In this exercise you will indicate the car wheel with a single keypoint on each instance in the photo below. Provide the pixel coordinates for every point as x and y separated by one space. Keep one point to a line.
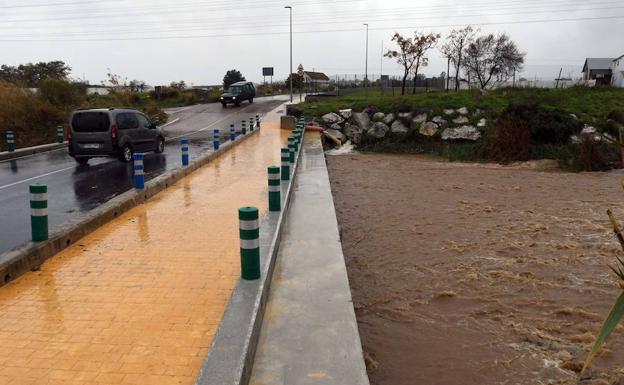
126 154
82 161
224 105
237 104
160 145
250 100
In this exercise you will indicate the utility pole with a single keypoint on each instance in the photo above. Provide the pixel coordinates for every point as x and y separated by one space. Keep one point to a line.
366 67
290 76
448 69
381 68
558 77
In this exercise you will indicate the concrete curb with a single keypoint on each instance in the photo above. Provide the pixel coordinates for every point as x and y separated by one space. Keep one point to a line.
19 152
231 354
32 254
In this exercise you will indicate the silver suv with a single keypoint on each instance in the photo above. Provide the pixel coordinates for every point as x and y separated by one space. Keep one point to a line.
112 132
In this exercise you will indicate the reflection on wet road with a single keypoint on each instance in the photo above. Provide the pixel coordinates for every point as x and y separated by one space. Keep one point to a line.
74 189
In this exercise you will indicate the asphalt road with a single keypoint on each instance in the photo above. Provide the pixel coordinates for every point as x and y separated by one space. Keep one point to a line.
74 189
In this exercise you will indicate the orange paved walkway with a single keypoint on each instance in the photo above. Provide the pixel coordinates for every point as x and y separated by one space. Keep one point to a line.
138 301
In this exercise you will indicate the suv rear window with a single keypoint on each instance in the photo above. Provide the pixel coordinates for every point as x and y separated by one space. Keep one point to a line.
127 120
90 122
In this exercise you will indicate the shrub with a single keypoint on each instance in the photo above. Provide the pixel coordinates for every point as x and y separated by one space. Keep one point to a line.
617 116
546 126
510 140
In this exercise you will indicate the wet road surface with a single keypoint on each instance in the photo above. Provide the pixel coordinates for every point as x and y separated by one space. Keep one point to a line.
138 300
74 189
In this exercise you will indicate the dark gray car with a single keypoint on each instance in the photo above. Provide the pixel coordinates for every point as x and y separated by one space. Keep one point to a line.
116 132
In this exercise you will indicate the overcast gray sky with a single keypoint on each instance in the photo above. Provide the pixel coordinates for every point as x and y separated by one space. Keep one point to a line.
198 40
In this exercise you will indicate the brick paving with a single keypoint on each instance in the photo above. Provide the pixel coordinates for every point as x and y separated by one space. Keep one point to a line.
138 300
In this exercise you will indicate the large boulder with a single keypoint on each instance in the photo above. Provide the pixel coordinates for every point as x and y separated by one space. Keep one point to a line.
346 114
332 118
462 111
353 133
463 132
378 117
362 120
449 111
420 118
407 116
379 130
440 121
482 122
398 127
337 134
460 120
336 126
389 119
428 129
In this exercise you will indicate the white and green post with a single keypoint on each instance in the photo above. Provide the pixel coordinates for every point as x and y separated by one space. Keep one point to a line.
39 212
249 230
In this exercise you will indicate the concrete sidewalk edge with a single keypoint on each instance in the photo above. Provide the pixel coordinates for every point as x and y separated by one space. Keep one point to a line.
231 354
31 255
19 152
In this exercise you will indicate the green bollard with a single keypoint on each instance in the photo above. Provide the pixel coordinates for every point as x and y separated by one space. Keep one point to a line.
274 189
243 127
291 149
251 124
285 164
10 138
60 137
249 230
39 212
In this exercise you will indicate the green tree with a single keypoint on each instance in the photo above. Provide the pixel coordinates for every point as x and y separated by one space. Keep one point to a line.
405 56
297 82
231 77
32 75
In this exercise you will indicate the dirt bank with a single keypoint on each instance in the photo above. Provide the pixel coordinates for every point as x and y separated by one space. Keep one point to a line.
478 274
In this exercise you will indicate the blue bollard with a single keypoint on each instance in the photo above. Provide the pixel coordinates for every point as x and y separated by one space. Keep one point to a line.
215 139
232 132
185 152
139 180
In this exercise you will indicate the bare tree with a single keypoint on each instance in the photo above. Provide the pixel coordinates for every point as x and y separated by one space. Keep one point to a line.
422 43
492 59
405 56
453 49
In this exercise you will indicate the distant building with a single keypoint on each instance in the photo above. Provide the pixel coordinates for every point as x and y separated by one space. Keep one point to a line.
315 81
617 72
598 69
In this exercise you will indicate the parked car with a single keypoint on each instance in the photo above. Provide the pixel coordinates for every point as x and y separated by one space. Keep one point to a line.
112 132
237 93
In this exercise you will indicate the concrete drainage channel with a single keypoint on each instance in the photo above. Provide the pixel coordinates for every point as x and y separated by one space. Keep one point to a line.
231 354
31 255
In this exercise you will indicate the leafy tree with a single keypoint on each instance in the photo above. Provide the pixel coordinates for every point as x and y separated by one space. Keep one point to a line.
405 56
181 85
137 85
231 77
492 59
453 49
422 43
32 75
297 82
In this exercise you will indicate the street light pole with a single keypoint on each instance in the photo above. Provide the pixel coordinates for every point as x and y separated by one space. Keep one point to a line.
366 68
290 76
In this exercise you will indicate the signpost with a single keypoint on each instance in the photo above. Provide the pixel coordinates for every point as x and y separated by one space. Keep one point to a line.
267 71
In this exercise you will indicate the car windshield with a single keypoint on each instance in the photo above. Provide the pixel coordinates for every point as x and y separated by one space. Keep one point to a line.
235 90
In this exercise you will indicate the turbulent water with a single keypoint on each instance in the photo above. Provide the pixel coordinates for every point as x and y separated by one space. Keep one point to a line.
478 274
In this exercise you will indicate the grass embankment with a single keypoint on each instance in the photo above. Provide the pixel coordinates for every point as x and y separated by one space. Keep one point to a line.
552 107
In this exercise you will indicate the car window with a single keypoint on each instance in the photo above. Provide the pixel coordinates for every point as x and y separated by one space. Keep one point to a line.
127 120
143 121
90 122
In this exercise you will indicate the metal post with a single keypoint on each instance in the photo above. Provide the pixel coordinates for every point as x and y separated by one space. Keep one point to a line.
10 138
215 139
285 164
139 171
60 137
185 151
366 67
39 212
274 188
249 231
232 132
291 61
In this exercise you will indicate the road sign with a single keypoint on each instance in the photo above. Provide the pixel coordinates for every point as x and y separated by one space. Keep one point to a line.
267 71
300 70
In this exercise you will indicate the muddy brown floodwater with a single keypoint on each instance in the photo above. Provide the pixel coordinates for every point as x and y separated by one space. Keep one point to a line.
467 274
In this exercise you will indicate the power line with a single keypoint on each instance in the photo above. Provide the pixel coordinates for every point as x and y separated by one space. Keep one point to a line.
316 31
55 4
264 25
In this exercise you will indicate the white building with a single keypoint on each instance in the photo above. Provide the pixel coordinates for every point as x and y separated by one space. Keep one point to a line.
617 72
